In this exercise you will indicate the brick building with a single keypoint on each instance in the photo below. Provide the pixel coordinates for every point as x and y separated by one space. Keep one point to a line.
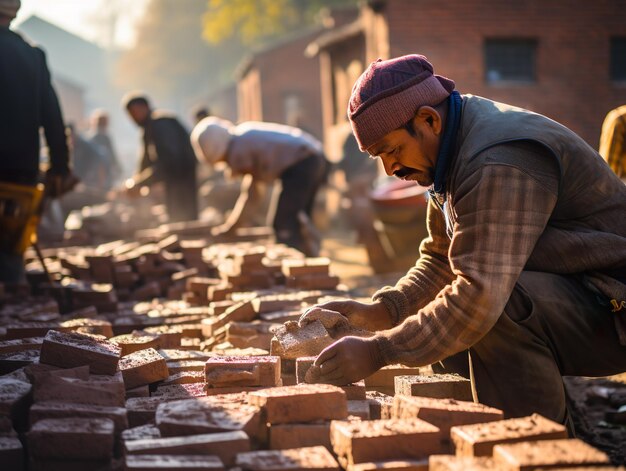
562 58
280 84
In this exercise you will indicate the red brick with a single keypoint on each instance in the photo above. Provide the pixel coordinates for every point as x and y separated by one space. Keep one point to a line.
94 391
397 465
143 367
295 459
292 341
134 342
18 345
547 454
212 414
302 403
227 371
175 367
380 405
308 266
384 379
69 350
180 391
479 439
455 463
285 436
224 445
178 355
90 326
11 453
379 440
72 438
58 410
170 462
437 386
443 413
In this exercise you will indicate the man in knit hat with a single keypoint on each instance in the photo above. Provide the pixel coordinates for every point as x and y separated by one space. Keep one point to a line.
28 103
525 263
265 152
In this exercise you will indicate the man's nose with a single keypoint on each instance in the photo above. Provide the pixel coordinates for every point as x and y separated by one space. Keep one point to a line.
389 165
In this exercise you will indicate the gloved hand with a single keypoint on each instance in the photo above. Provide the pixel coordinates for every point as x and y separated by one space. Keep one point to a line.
367 316
58 184
348 360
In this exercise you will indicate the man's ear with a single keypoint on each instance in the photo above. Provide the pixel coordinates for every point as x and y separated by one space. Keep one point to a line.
429 117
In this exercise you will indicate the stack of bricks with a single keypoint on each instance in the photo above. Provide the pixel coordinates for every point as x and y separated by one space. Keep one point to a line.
214 379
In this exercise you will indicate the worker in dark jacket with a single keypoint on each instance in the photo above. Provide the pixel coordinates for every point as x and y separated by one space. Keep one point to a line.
167 158
28 102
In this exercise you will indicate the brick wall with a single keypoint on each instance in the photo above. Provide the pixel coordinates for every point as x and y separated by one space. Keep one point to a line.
572 84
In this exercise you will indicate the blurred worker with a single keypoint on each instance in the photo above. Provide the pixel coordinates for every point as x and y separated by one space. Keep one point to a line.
167 158
99 137
88 161
265 152
525 263
28 102
613 140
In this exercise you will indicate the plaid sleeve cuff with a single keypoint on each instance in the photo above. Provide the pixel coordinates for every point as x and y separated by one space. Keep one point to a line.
387 350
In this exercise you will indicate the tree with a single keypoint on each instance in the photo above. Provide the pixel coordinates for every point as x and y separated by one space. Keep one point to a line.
251 21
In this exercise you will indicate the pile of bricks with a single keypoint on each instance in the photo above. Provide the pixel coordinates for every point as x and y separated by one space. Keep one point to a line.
223 376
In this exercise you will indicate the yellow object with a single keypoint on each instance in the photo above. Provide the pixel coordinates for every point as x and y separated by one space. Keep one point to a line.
613 140
19 215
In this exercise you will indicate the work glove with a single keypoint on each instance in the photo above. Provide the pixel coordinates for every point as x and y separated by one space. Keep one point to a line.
348 360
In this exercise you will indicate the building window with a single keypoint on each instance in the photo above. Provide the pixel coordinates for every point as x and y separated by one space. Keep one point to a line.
510 60
618 59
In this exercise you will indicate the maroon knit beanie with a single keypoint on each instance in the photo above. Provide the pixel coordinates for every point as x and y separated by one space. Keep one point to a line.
389 93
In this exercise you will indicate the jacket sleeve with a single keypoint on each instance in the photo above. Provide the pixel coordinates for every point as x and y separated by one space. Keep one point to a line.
52 122
501 213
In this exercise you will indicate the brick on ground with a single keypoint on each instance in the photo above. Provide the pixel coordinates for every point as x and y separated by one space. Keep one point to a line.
526 456
141 432
18 345
39 371
15 360
384 379
178 355
13 396
224 445
180 391
228 371
172 462
90 326
59 410
72 438
179 366
443 413
129 343
71 349
437 385
394 465
184 377
140 391
257 334
96 390
479 439
379 440
295 459
224 413
143 367
380 405
11 453
455 463
285 436
302 403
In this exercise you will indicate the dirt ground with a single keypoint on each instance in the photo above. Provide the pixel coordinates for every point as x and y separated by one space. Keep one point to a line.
592 400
